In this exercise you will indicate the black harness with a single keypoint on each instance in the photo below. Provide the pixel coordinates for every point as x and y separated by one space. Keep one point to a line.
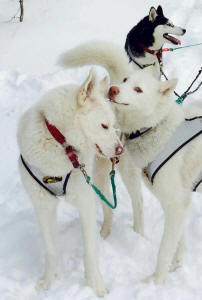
137 134
56 185
131 56
188 130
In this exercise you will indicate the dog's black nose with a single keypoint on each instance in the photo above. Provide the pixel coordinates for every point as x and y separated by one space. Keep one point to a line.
184 31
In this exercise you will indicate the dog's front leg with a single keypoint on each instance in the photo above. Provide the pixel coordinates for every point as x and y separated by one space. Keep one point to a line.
178 257
131 177
46 209
175 214
85 202
46 212
102 168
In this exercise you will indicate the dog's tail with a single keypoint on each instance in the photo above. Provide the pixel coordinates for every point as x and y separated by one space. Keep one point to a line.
105 54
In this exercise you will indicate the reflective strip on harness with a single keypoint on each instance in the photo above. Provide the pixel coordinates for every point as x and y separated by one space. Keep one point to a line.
184 133
54 185
197 182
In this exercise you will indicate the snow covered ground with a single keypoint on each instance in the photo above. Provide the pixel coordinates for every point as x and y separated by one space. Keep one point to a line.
28 55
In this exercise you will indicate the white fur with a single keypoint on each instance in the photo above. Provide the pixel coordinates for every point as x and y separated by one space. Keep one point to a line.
173 183
116 63
156 108
113 58
101 53
78 112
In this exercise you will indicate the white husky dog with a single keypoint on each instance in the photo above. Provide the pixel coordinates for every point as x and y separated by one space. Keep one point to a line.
148 116
86 120
115 61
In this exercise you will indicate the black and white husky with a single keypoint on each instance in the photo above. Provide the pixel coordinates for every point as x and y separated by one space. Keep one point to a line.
145 40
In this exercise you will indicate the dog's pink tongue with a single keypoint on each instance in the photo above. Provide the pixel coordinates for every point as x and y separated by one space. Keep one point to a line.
173 39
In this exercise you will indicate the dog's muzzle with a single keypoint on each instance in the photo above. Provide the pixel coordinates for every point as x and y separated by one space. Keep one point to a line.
113 92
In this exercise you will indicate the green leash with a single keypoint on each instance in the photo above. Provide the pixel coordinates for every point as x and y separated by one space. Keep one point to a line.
97 191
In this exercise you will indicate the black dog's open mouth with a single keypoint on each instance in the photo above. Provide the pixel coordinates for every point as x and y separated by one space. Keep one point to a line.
172 39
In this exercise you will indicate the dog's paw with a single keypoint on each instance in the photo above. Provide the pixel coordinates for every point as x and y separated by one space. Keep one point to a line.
139 230
97 284
105 232
158 280
176 265
149 278
45 282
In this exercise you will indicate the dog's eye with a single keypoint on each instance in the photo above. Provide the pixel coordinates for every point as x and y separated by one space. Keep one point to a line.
170 24
125 79
104 126
138 89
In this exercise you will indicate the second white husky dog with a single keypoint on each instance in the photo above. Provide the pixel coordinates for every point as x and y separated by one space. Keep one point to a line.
86 122
157 118
148 116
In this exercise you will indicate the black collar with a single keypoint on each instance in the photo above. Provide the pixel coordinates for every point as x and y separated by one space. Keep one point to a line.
142 66
138 64
138 133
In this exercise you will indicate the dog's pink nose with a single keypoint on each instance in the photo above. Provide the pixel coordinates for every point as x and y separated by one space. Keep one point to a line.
113 92
118 150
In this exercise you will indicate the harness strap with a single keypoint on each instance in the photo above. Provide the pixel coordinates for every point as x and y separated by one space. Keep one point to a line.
55 188
37 180
59 137
137 134
184 133
132 58
158 52
197 185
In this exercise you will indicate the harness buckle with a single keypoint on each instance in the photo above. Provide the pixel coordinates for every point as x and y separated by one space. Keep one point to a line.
82 166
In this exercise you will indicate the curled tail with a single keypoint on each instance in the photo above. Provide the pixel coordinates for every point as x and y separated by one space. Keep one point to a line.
105 54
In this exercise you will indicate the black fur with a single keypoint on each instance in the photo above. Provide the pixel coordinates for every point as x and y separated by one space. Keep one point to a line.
142 33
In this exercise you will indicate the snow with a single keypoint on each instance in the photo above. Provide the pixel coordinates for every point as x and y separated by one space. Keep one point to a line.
28 56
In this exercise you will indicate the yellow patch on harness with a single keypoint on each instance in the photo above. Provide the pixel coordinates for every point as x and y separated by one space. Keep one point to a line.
52 179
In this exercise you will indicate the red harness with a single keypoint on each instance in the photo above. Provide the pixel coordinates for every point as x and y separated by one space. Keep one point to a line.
59 137
158 53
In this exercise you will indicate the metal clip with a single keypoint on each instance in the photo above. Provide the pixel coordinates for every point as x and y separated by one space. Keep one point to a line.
115 160
82 166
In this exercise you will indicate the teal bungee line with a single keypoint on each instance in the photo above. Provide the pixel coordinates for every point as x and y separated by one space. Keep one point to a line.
176 48
99 193
181 98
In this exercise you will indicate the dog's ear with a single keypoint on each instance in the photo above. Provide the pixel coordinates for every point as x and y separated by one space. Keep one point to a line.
152 14
87 88
168 86
104 85
160 10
